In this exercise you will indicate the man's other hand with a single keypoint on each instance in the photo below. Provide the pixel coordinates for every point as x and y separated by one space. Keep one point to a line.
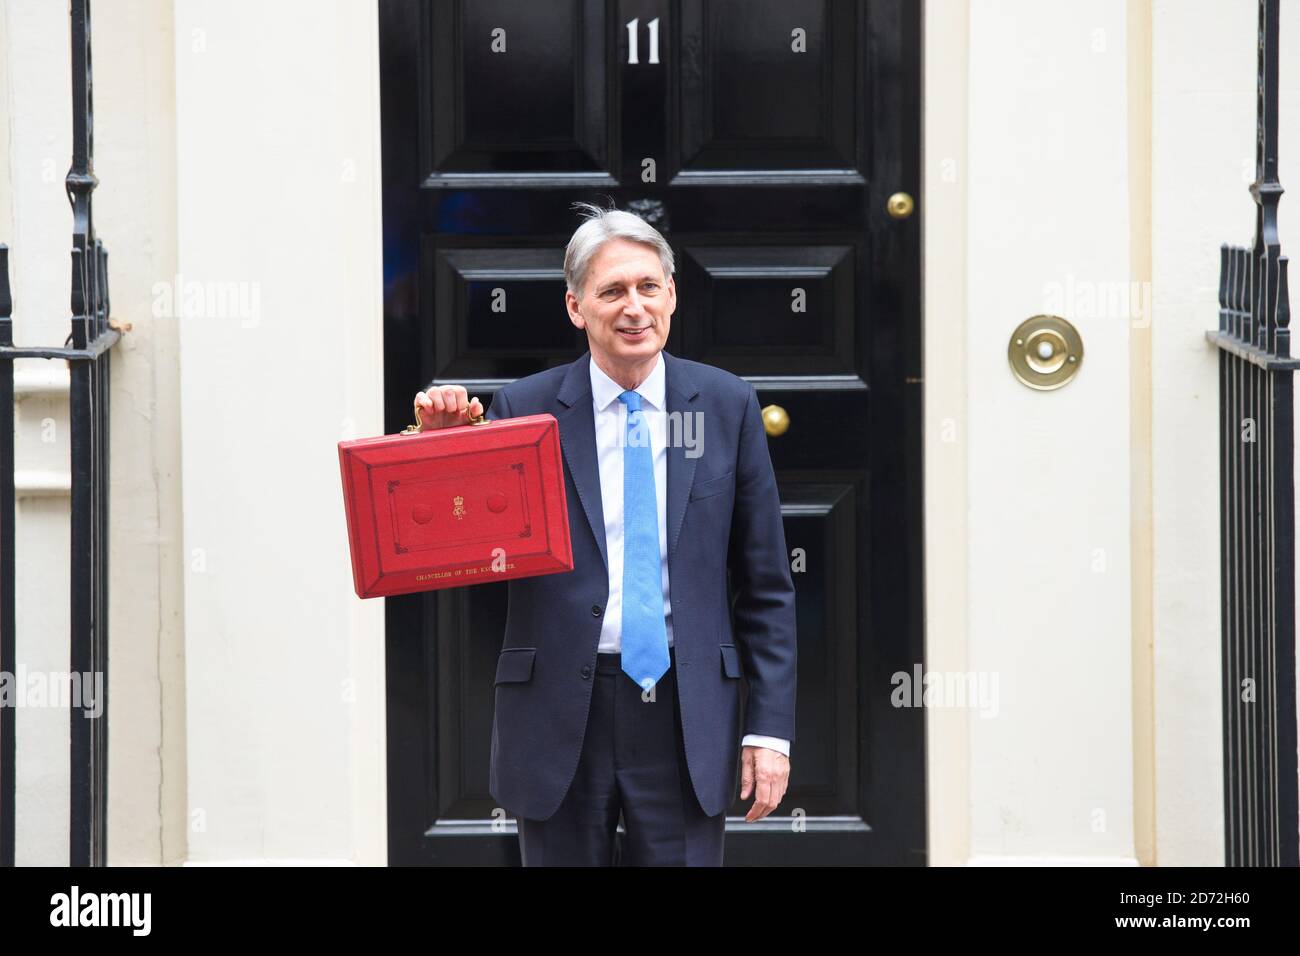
766 773
443 406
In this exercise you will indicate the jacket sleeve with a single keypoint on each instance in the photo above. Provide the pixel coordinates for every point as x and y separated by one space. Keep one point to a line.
500 407
763 608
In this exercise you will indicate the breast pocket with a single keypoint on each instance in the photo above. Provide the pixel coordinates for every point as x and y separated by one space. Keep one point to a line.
713 486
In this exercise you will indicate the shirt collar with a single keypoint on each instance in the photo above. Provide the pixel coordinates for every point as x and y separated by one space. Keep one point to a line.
605 390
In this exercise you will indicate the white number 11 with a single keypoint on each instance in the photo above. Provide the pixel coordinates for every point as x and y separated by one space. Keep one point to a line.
653 27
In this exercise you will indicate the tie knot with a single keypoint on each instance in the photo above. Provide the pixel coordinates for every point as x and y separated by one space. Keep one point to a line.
632 400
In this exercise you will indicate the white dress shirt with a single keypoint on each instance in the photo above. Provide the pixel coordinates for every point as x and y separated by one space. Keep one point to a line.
611 426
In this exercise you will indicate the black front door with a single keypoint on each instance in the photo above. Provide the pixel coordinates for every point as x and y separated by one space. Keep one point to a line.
764 140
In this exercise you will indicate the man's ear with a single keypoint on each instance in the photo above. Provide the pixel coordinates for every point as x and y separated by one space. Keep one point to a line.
571 305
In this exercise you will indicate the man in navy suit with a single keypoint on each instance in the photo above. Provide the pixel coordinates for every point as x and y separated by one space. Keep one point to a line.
618 684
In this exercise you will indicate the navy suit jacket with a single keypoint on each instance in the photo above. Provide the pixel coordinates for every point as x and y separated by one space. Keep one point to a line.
723 514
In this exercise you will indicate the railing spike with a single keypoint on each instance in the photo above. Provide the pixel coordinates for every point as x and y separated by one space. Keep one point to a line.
6 296
1283 332
1225 258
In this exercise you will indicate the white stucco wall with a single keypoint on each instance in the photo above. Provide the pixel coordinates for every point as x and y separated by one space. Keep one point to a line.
1048 207
1054 162
943 220
135 215
37 225
1204 68
135 146
265 742
278 191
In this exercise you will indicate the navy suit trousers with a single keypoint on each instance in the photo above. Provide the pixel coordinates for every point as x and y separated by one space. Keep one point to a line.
633 765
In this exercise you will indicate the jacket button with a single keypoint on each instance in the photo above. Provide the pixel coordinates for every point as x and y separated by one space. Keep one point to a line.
586 671
595 610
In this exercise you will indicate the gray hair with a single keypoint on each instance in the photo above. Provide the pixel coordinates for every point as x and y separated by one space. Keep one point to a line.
602 225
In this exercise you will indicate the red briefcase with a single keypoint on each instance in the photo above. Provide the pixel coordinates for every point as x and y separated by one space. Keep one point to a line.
443 508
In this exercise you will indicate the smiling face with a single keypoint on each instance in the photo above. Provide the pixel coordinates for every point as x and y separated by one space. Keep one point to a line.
626 307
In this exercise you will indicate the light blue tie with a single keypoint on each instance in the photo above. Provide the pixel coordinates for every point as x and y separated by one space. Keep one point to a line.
645 640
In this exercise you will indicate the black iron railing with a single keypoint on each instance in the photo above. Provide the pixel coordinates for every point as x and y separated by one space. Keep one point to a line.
86 351
1257 513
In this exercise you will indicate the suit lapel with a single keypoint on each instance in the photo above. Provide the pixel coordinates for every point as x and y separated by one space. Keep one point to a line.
679 392
577 423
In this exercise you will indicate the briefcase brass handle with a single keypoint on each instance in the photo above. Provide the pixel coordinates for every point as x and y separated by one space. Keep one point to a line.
419 425
775 420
